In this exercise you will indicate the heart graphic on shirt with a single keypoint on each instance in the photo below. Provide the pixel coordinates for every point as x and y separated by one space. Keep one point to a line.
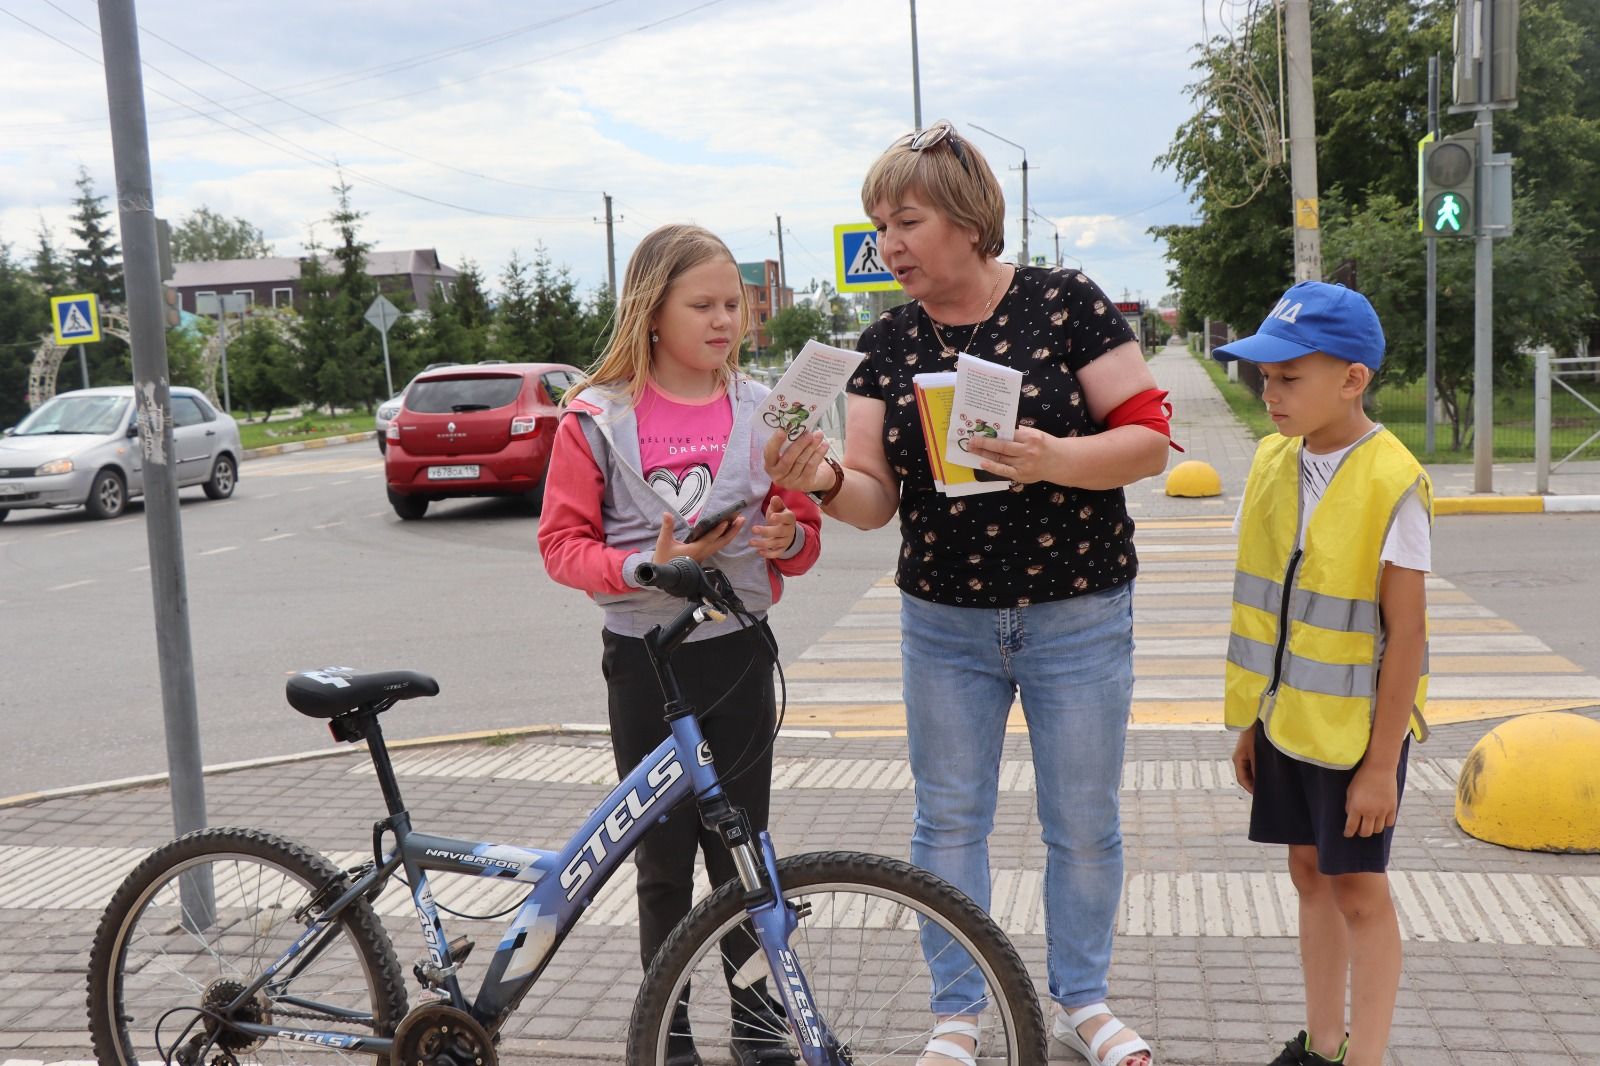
685 494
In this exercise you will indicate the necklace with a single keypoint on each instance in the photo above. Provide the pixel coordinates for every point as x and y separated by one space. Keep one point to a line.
988 309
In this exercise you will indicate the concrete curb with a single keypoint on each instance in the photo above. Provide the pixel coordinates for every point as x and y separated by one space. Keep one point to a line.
1577 504
307 445
567 729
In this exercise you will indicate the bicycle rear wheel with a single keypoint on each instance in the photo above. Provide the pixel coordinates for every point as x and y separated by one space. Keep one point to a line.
159 958
863 923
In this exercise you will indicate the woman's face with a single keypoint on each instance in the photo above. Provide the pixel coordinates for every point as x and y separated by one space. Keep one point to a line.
926 252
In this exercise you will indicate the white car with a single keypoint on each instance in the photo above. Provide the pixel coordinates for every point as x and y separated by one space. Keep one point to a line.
81 449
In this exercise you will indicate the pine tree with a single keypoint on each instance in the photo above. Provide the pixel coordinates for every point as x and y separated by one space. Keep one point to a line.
96 259
558 315
49 270
516 328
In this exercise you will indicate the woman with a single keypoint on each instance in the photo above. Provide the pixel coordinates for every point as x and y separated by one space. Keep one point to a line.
1025 591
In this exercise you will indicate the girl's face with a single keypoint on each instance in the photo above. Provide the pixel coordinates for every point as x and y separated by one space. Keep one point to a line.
697 322
925 250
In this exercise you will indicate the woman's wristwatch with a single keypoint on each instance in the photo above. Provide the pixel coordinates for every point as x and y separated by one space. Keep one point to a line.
825 498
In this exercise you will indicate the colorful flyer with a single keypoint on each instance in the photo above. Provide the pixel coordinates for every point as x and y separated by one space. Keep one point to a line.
813 381
986 400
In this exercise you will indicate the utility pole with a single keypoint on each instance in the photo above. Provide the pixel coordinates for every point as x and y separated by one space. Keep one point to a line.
1432 303
1023 259
1302 142
130 145
783 273
916 75
611 251
1483 299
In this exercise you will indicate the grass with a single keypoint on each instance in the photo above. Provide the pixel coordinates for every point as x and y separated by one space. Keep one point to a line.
499 740
304 427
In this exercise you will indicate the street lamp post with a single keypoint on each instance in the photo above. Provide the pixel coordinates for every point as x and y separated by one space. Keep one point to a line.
1053 229
1024 152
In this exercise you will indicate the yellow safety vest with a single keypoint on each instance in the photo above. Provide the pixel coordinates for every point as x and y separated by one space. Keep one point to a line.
1307 635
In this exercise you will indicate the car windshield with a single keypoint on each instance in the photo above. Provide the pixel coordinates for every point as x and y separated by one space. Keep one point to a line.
75 414
439 396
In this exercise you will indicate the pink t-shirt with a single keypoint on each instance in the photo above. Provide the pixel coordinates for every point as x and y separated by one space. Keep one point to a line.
681 442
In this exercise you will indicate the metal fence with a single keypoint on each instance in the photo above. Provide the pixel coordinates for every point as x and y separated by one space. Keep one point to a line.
1566 407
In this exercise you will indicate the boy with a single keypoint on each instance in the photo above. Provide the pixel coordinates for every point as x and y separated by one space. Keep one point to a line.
1325 671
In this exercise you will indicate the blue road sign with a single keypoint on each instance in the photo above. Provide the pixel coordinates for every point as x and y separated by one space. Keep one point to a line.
859 266
76 318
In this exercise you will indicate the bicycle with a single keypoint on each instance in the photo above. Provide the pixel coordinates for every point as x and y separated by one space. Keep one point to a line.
229 946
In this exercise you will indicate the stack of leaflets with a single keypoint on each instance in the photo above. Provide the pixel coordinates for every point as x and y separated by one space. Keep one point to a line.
979 399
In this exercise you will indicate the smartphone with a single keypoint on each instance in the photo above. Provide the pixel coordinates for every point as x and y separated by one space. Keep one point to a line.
708 522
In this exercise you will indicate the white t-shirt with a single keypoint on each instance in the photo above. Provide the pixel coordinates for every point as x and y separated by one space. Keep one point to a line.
1410 540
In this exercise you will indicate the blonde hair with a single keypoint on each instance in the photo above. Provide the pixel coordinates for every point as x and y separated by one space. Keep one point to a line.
967 194
659 261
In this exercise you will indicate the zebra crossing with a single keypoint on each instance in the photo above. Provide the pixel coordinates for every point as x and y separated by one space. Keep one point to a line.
1482 666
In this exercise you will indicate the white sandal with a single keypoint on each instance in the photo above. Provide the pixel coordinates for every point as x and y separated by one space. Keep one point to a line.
949 1049
1095 1051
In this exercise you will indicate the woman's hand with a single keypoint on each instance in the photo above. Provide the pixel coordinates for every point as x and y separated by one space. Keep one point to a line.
774 538
1033 455
669 548
796 465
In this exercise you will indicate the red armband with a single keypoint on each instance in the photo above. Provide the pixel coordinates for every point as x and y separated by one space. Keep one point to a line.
1149 409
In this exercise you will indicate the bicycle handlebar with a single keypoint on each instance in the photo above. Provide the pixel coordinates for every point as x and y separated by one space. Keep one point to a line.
682 577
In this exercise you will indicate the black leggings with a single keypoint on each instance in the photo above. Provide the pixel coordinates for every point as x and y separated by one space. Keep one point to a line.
737 730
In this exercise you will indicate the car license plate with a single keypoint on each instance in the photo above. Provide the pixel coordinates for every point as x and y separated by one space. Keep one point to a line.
10 488
451 473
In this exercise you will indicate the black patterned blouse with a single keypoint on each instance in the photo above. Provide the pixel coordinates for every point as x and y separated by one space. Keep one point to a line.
1032 543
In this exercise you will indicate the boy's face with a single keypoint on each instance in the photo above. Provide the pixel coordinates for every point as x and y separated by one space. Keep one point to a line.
1312 392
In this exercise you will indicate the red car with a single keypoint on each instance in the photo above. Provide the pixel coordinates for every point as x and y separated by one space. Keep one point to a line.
480 429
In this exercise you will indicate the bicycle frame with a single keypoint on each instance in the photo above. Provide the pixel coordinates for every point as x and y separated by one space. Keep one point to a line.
563 883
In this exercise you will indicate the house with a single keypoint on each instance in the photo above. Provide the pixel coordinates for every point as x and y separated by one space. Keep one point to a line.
413 278
765 296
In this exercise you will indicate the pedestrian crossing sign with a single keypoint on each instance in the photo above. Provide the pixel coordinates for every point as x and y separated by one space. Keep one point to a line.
859 266
76 319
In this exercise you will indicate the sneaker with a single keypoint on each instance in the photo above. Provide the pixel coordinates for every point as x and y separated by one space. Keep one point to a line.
680 1042
761 1036
1295 1053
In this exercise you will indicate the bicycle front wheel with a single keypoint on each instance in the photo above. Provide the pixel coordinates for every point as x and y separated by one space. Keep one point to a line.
198 921
883 944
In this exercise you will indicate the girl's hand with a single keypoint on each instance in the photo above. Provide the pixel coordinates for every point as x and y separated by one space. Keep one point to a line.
795 465
1371 801
1244 759
774 538
669 548
1033 456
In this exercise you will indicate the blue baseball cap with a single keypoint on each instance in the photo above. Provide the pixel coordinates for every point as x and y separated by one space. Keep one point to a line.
1313 316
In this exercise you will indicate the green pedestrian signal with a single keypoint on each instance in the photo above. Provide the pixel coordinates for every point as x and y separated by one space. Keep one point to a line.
1447 185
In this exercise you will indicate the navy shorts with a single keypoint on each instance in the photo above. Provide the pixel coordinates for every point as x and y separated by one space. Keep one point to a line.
1300 803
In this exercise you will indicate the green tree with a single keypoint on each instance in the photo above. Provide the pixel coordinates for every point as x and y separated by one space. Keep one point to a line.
24 315
341 360
557 310
49 270
96 258
262 366
206 235
516 336
599 320
789 329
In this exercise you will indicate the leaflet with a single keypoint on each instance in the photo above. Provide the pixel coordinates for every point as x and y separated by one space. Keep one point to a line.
935 397
813 381
986 400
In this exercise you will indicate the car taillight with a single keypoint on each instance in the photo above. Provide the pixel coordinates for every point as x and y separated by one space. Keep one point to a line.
393 432
523 425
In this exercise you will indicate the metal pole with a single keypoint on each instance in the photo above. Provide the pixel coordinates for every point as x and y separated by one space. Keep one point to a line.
1302 142
1541 420
222 333
83 363
1025 259
1058 249
611 253
916 74
783 273
1432 299
1483 299
119 33
388 374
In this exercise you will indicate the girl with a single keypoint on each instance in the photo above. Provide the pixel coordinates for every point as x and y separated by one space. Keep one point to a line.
665 418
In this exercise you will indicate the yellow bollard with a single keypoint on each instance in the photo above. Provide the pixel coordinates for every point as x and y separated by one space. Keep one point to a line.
1533 783
1194 478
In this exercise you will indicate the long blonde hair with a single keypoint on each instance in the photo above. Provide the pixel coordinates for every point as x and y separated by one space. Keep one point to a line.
661 258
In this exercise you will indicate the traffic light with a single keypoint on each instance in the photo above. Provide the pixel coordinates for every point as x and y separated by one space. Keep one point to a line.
1448 199
174 306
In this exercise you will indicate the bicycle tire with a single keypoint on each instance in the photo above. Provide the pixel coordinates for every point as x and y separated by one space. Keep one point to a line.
146 915
896 895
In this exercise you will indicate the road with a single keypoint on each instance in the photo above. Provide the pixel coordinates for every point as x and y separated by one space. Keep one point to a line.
307 566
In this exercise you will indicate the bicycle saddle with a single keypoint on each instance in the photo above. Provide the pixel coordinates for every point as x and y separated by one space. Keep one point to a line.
336 690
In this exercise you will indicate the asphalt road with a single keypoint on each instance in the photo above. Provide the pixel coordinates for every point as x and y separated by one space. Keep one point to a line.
307 566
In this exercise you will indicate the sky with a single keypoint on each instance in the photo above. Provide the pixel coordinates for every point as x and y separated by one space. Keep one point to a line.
481 129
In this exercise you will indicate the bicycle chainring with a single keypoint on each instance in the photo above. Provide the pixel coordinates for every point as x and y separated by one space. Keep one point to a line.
437 1034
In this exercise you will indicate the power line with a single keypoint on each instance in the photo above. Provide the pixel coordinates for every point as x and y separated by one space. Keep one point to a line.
293 149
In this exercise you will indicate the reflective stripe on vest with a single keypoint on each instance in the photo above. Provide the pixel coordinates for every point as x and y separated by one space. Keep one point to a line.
1313 608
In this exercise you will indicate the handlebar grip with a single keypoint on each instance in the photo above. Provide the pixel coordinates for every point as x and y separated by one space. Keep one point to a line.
681 577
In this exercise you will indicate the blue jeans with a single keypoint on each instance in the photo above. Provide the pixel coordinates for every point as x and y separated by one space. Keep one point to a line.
1072 662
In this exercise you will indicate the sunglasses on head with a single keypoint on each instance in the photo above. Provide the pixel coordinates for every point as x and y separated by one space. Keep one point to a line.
939 133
